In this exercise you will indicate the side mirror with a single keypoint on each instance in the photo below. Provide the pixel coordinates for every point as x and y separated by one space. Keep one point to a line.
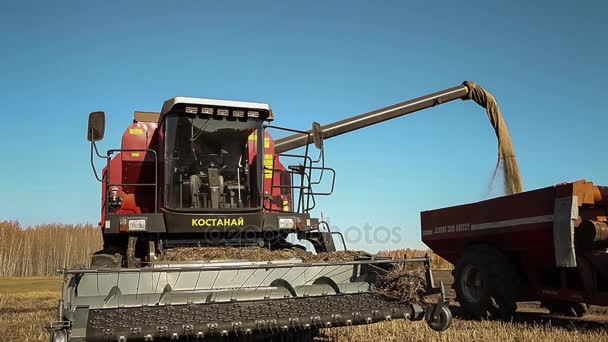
317 135
97 126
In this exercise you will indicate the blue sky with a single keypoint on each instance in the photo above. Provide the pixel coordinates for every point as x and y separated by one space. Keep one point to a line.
545 62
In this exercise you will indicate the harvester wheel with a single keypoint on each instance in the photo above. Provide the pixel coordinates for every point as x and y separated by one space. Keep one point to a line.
442 321
570 309
106 258
486 283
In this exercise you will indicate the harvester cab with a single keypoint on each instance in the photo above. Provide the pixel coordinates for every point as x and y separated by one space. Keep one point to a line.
203 173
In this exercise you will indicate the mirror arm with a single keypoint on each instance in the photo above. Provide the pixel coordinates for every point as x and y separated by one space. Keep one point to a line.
97 151
94 147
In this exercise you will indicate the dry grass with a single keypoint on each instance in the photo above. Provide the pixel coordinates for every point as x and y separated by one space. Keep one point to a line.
27 305
25 315
402 284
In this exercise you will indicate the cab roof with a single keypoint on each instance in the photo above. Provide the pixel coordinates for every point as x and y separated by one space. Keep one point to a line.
180 102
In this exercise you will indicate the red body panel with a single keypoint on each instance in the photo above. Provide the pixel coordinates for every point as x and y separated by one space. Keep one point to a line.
448 231
135 167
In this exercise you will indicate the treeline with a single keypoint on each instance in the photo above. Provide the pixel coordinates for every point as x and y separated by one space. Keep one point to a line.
42 249
437 262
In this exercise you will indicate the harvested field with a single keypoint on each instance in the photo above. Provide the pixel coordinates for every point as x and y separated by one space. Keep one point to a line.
26 307
26 311
468 331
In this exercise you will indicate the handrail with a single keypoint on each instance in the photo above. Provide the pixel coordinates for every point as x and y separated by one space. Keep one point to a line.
155 184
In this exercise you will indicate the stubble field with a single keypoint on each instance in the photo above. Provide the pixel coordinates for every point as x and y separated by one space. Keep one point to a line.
28 304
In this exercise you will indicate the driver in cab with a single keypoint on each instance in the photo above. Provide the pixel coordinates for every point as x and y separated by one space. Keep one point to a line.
205 160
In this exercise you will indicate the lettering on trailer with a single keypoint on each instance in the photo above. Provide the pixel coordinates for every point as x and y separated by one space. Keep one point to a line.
215 222
464 227
449 229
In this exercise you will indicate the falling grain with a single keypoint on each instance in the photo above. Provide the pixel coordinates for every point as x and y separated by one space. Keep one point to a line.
507 161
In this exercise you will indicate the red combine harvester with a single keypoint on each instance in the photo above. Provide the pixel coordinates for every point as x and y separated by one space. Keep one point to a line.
206 173
548 244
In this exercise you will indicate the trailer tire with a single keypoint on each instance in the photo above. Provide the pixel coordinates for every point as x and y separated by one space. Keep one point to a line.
486 284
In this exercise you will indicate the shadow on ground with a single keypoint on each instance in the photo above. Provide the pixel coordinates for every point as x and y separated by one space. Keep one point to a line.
591 322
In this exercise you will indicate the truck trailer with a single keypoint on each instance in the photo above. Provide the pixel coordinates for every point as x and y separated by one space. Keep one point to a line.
548 245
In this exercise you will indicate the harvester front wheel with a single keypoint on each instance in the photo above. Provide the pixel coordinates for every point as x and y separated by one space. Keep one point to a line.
486 282
106 258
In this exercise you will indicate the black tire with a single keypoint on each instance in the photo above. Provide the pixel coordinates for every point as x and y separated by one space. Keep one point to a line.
486 284
570 309
106 258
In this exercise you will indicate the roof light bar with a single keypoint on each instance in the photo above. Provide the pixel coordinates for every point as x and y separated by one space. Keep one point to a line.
191 110
207 110
225 112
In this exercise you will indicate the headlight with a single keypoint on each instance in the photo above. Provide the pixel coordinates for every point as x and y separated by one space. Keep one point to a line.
191 110
137 224
287 222
223 112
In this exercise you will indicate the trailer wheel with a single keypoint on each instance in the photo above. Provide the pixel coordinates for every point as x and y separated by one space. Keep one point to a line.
570 309
486 283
